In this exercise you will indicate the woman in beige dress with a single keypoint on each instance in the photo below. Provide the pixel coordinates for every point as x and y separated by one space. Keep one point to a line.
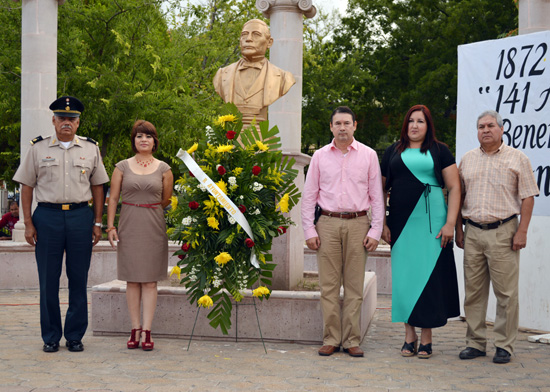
145 184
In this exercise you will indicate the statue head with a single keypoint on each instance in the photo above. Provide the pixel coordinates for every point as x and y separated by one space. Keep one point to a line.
255 40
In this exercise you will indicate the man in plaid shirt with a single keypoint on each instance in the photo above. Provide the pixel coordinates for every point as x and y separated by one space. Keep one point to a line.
498 184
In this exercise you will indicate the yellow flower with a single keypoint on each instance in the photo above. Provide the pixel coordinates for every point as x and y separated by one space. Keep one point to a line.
238 170
213 223
227 118
205 301
262 258
170 231
193 148
225 148
222 185
261 291
283 203
223 258
176 270
173 203
261 146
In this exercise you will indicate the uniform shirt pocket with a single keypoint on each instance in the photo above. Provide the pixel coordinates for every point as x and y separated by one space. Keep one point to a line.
49 168
82 168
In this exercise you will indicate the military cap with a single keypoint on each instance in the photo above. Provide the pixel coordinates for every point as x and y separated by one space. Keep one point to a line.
67 107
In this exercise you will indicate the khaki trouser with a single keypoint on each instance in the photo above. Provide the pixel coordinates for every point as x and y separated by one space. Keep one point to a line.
341 259
489 258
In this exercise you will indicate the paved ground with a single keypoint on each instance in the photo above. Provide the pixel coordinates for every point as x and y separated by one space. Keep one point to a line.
106 364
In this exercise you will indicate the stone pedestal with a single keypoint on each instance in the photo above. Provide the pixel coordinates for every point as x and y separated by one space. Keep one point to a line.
288 249
534 16
286 25
288 316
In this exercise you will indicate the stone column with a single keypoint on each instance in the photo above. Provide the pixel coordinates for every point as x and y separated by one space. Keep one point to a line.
534 16
38 77
286 25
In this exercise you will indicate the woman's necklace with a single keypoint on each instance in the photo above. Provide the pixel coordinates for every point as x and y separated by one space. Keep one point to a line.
146 162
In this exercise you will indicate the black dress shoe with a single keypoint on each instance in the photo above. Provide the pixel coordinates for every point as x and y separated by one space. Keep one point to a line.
74 345
51 347
471 353
501 356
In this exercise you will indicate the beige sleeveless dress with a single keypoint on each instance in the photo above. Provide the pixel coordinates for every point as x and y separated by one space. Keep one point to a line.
142 251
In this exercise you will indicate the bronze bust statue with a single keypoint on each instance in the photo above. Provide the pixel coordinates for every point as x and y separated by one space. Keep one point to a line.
253 83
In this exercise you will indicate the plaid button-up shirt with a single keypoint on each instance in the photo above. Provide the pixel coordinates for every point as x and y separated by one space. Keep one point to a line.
493 185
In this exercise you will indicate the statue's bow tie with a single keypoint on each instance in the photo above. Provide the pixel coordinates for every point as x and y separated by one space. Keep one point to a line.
248 64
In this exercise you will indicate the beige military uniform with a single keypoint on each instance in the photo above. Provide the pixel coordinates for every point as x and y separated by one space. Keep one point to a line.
59 174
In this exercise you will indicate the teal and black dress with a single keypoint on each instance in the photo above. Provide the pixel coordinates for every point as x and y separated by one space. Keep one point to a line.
424 281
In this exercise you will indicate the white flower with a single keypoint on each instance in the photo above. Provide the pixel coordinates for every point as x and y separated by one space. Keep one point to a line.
179 188
210 133
201 187
257 187
232 181
217 283
231 219
255 212
187 221
241 197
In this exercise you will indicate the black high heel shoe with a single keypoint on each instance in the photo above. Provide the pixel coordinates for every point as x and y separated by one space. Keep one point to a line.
410 347
427 348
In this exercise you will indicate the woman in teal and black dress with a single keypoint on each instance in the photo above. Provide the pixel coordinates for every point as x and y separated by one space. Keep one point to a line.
420 230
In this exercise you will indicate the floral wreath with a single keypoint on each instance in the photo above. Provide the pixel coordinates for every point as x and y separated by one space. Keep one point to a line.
215 256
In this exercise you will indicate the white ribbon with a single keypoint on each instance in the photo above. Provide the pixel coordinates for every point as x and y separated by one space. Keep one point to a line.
221 197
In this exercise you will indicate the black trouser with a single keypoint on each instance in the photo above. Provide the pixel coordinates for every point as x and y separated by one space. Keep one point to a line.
60 232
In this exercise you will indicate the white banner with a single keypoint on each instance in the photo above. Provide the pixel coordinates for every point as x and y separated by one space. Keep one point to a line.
221 197
511 76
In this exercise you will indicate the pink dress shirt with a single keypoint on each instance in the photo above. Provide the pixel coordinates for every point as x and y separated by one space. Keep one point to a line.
344 183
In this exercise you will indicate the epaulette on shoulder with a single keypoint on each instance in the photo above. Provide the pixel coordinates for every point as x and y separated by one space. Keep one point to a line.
36 140
89 139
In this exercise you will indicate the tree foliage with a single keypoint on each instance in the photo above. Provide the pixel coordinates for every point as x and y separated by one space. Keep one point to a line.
387 55
128 60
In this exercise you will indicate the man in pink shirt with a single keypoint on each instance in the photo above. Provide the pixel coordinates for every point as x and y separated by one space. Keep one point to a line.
344 180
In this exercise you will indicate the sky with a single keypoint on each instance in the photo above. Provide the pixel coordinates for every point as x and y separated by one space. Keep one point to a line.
329 5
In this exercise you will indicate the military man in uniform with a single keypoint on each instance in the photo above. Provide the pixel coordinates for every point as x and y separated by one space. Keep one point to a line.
253 83
65 171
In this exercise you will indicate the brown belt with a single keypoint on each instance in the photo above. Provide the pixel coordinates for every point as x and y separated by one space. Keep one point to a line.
344 215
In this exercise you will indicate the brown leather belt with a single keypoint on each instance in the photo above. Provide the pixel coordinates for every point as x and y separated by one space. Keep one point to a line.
489 226
344 215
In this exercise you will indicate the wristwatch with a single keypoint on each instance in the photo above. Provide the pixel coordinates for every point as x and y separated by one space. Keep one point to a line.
98 224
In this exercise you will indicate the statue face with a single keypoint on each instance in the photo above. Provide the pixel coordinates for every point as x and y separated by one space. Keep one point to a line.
254 41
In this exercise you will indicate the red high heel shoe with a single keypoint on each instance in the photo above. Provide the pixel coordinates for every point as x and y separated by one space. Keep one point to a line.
147 345
133 343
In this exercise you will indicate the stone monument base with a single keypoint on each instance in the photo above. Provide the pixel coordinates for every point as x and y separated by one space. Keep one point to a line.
288 316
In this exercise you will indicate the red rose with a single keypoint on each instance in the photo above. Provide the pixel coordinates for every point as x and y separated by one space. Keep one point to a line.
181 257
221 170
185 247
230 134
242 208
191 174
249 242
281 229
256 170
193 205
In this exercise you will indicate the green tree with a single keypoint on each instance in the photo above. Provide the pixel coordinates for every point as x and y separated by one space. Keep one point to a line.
129 60
401 53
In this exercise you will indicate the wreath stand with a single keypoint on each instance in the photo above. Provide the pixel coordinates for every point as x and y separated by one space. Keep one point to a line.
236 323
